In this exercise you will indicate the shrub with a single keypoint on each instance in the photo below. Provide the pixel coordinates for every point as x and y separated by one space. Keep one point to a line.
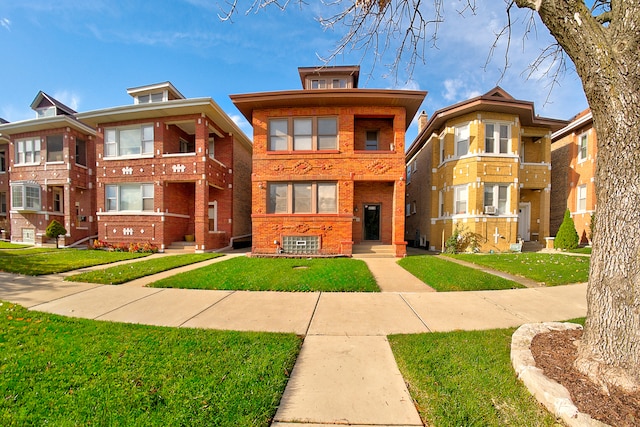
462 241
125 247
54 230
567 237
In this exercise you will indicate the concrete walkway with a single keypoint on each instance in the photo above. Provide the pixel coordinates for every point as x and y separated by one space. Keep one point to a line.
345 373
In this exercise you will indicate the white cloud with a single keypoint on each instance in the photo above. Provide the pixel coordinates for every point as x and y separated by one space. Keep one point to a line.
451 88
5 23
68 98
243 124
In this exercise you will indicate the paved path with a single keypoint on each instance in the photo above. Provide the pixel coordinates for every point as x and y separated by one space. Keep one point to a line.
345 373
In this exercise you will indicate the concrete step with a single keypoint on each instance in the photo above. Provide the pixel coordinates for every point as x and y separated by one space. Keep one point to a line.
180 247
374 251
532 246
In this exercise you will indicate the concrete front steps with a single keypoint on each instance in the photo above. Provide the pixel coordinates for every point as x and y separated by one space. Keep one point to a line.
180 248
532 246
373 250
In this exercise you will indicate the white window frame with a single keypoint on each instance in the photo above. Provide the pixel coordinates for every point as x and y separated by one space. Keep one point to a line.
441 203
26 202
495 192
27 151
281 140
583 145
461 195
212 147
581 198
213 215
3 202
3 161
49 151
144 190
285 204
458 132
497 138
442 147
57 192
112 147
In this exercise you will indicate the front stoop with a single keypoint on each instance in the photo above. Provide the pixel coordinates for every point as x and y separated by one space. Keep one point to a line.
180 248
374 250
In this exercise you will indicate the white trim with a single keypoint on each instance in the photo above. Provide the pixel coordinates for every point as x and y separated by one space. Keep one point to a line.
142 213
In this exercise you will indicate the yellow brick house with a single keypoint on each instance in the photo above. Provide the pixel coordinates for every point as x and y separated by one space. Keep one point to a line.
482 166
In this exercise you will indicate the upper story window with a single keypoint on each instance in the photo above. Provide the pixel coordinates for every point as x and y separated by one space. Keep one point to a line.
441 203
212 147
150 97
302 197
129 197
27 151
582 198
128 141
496 199
303 134
81 152
25 196
58 205
460 199
441 149
45 112
496 138
371 140
3 202
582 148
3 161
329 83
54 148
461 139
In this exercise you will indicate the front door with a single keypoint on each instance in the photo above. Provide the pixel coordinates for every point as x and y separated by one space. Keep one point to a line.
371 222
524 221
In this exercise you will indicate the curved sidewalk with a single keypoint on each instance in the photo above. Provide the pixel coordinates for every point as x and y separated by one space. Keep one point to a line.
345 373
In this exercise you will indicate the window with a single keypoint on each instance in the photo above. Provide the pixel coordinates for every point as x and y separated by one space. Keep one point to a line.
128 141
81 152
3 202
371 140
129 197
212 147
304 134
46 112
318 84
461 140
407 209
442 149
339 83
496 197
301 244
184 146
582 198
54 148
441 203
409 173
460 200
213 216
152 97
3 162
25 196
302 197
582 148
27 151
58 205
496 138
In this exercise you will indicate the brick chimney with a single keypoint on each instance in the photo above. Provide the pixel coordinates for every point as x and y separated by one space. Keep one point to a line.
422 121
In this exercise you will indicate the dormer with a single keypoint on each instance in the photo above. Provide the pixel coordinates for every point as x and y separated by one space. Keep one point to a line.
160 92
318 78
47 106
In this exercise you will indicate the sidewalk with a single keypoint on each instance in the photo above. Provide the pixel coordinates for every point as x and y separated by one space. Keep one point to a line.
345 373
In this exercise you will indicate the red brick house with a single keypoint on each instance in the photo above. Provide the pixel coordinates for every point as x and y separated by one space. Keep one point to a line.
4 185
328 164
573 156
171 169
50 160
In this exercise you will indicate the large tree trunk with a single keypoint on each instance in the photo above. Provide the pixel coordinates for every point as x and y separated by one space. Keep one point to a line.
607 60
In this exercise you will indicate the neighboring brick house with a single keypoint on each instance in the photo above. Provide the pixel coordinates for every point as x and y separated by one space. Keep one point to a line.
573 156
484 166
171 169
50 161
328 164
4 185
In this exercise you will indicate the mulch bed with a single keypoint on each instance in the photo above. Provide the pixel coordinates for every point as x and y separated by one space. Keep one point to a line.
555 352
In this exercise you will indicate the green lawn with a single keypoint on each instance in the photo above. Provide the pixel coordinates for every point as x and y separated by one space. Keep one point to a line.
278 274
585 250
9 245
127 272
38 261
65 372
466 379
550 269
446 276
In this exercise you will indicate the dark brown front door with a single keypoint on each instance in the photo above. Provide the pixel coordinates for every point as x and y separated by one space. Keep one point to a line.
371 222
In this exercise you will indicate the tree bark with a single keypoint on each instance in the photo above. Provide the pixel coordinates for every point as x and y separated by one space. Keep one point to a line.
607 60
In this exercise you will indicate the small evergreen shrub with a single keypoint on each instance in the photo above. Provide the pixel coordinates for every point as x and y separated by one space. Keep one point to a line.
567 237
462 241
54 230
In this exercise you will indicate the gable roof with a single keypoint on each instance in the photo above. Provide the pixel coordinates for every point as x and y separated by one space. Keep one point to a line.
42 99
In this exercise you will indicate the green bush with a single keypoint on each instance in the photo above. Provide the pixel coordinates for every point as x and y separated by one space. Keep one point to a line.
54 230
462 240
567 237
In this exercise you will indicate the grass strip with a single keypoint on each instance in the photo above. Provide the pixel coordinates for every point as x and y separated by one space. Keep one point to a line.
62 371
447 276
9 245
548 269
127 272
466 379
278 274
40 261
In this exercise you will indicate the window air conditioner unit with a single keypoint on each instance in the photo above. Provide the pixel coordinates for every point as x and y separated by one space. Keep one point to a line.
490 210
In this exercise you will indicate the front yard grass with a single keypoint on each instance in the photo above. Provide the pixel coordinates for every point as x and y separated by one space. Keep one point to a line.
548 269
62 371
278 274
38 261
447 276
124 273
9 245
466 379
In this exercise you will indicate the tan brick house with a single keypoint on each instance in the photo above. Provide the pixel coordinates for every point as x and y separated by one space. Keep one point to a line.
328 164
573 156
50 162
171 169
482 166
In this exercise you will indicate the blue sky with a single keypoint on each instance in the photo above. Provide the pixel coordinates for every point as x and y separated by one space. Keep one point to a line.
87 53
